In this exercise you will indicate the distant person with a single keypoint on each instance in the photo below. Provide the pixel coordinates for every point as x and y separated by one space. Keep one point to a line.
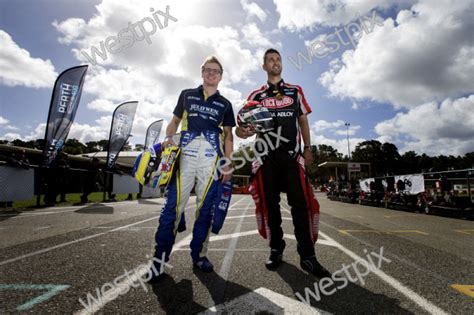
63 176
90 183
115 169
24 162
51 174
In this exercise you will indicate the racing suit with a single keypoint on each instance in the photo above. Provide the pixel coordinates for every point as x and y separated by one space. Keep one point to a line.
201 150
282 170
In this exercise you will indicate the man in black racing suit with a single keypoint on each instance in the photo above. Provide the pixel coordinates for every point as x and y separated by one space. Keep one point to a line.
282 168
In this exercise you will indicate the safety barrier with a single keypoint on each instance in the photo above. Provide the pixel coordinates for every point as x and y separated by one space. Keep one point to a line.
447 190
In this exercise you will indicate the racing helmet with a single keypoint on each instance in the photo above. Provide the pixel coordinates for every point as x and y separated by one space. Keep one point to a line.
255 115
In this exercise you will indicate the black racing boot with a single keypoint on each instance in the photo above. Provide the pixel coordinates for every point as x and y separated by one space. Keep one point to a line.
155 273
313 266
276 257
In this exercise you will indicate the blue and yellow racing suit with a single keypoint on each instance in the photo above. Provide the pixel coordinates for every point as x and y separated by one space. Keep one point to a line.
201 143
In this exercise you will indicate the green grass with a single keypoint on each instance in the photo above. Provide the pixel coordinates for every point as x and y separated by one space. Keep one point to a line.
72 199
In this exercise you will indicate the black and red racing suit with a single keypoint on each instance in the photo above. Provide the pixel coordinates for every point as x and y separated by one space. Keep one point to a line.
282 170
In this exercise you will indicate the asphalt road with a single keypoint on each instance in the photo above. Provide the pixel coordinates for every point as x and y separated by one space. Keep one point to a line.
392 262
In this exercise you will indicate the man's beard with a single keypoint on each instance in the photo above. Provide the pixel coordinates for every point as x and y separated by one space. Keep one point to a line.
275 71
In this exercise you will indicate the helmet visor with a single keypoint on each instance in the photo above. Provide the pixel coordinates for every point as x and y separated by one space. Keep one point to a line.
263 125
257 113
259 117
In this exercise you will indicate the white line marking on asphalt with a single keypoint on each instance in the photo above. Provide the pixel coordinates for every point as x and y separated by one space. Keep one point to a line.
135 228
140 228
263 301
231 236
42 228
394 283
184 249
101 227
240 216
60 210
28 215
185 241
45 250
225 267
122 287
319 242
397 285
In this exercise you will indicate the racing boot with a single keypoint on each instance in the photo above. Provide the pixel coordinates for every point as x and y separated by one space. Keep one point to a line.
313 266
276 257
155 273
204 264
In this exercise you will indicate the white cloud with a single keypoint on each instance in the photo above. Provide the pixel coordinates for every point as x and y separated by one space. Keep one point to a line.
253 9
338 127
81 132
433 129
155 73
17 67
85 132
3 121
254 36
300 14
72 29
101 105
12 128
352 131
424 55
11 136
339 144
321 125
360 106
37 133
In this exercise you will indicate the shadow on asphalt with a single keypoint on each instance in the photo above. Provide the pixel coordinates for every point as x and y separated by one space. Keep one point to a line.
352 299
96 209
177 298
8 214
454 214
222 291
149 202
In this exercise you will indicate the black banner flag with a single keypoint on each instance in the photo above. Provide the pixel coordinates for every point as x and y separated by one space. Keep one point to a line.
64 103
152 133
122 122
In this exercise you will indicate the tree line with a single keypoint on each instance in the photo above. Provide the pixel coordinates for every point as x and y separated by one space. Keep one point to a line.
71 146
386 160
384 157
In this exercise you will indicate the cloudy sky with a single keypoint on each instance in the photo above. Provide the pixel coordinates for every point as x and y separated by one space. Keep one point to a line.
397 71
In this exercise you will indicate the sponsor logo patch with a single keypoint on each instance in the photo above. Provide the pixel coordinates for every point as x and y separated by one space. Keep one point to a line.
274 103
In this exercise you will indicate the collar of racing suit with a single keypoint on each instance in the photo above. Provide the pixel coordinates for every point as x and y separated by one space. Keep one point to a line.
201 90
275 89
